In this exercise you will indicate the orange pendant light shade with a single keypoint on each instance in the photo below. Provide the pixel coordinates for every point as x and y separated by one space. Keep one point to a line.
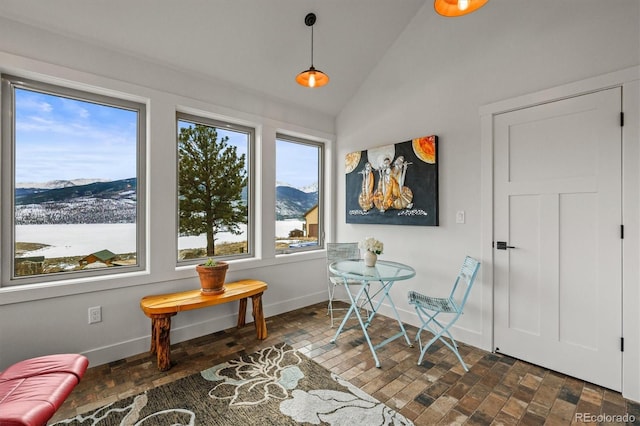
311 77
452 8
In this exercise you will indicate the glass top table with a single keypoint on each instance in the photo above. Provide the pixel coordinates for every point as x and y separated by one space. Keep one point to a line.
355 273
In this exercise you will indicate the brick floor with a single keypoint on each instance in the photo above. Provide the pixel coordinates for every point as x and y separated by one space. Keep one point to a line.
497 389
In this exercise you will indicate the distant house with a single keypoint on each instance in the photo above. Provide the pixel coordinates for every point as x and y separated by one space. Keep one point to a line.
95 265
311 221
104 256
32 265
296 233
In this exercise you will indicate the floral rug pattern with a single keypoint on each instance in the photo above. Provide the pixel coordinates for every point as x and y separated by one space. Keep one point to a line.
276 385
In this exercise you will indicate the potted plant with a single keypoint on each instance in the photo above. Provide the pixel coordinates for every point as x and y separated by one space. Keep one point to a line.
372 249
212 275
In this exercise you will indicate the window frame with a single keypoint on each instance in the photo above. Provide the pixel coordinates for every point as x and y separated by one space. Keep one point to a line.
9 83
321 195
250 166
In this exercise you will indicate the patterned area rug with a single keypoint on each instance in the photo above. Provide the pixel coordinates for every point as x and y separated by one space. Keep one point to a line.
275 386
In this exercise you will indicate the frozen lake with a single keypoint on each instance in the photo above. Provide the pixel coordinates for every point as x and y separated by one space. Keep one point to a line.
80 240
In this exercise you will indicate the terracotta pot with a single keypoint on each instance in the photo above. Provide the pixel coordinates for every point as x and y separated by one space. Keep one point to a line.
212 278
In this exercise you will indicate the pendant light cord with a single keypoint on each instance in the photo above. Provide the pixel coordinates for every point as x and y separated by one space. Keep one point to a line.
312 46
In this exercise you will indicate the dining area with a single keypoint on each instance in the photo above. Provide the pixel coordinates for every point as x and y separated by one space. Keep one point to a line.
368 284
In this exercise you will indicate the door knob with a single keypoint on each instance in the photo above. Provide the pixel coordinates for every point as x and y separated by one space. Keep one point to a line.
502 245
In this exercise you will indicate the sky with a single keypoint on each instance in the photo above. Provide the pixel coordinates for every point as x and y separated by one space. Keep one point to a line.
63 139
296 164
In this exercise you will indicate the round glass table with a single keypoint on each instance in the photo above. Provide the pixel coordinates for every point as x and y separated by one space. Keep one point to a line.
386 273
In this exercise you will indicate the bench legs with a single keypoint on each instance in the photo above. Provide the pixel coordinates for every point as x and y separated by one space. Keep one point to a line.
258 315
160 344
161 330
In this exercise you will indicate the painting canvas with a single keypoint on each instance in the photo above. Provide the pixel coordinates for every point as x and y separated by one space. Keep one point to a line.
394 184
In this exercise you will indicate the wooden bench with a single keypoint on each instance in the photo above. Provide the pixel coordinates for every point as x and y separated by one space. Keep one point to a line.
160 308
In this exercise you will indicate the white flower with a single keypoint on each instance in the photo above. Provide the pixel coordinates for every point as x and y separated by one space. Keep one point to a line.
372 245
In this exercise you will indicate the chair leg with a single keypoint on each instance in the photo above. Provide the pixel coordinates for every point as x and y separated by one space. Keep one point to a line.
437 335
331 315
330 308
331 289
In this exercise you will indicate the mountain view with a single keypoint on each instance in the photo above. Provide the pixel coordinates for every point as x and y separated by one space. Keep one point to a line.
100 201
60 203
293 203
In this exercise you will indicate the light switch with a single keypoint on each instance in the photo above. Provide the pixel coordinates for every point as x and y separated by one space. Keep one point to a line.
460 216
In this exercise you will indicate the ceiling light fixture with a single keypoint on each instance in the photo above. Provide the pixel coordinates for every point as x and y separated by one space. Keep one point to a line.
452 8
312 77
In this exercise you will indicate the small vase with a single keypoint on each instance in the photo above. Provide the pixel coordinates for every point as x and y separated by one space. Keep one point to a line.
370 258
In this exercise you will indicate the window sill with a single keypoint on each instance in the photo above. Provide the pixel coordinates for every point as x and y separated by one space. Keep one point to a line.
32 292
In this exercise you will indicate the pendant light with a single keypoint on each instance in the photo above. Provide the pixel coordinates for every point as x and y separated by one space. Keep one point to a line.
312 77
452 8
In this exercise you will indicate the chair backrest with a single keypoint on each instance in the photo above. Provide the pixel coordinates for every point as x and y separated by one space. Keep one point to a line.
467 274
340 251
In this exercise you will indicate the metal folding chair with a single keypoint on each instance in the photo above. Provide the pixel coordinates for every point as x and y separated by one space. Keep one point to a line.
338 251
429 307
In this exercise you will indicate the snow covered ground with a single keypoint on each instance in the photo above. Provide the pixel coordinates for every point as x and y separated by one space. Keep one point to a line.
80 240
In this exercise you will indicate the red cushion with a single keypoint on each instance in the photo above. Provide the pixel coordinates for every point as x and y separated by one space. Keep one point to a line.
34 400
32 390
61 363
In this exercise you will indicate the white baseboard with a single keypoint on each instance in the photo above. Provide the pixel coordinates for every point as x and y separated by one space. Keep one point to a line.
107 354
461 334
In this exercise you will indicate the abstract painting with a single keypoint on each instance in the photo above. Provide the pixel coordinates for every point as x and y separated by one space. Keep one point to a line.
394 184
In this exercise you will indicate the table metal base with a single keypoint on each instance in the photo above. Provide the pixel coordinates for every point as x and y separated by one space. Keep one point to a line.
364 291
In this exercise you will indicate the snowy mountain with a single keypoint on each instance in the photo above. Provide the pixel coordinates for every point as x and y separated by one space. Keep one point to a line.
55 184
104 201
308 189
101 201
293 203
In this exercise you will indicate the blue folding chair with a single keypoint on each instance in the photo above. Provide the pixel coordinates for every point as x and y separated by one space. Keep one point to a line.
429 307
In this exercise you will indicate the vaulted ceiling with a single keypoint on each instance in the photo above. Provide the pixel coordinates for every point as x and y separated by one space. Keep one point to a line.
259 45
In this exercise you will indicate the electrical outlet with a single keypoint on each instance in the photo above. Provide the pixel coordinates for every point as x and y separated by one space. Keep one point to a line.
95 314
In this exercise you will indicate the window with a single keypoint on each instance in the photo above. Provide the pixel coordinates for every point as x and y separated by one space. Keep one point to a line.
72 183
214 188
299 165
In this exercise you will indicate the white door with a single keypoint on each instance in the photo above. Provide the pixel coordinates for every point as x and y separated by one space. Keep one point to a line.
557 192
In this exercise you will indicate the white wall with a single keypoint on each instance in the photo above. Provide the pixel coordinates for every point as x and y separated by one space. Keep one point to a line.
37 320
435 80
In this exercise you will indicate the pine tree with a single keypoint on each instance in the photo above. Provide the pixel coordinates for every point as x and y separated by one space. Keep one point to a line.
210 182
